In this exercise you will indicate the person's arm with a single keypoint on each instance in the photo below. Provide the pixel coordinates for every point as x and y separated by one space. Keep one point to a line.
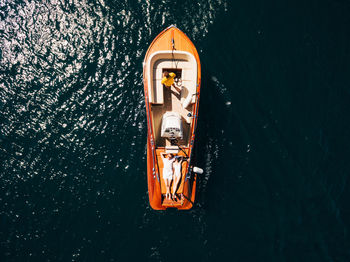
162 157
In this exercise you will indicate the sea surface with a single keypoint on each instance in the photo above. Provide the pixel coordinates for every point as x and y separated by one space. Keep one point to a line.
273 135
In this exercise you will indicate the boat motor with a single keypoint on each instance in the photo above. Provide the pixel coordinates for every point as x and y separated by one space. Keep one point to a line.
171 125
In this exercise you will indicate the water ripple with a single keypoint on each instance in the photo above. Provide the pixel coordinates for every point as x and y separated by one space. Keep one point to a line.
72 117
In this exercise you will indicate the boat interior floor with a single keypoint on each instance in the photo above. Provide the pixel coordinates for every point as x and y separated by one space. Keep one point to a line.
172 102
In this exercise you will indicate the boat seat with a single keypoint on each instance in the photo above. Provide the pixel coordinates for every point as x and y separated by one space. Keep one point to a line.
156 96
171 149
172 203
187 95
189 88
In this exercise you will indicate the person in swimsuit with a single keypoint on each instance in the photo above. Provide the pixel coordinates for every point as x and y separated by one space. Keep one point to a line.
177 174
167 171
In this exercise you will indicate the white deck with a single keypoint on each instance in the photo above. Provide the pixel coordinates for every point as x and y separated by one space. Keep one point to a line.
166 60
162 99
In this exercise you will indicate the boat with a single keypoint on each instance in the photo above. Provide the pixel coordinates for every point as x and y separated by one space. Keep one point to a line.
172 115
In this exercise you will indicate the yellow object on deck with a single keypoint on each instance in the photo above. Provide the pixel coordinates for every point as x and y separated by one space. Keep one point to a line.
168 81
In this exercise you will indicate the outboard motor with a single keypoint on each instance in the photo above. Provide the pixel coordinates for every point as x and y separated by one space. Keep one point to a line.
171 125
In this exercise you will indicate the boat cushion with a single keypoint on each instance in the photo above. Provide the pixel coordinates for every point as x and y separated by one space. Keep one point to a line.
158 96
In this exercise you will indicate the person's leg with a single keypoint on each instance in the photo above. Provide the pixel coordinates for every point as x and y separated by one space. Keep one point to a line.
167 184
176 181
170 188
166 187
177 89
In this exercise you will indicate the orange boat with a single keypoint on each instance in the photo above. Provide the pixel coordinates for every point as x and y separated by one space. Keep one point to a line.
171 115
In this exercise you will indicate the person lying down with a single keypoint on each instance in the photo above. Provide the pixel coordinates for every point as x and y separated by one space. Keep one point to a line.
171 171
177 174
168 160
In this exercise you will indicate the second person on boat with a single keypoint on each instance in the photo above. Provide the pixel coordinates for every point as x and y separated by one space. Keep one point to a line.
168 80
167 172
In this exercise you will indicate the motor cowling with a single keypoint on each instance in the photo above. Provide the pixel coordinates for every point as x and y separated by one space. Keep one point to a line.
172 125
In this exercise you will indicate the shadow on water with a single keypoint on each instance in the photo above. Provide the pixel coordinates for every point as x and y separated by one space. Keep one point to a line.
217 131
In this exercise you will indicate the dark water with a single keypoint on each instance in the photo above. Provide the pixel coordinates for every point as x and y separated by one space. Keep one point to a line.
273 132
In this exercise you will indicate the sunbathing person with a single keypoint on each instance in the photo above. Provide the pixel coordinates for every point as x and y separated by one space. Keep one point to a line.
177 174
167 171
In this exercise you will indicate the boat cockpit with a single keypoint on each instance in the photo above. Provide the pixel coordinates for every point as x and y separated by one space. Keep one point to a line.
172 110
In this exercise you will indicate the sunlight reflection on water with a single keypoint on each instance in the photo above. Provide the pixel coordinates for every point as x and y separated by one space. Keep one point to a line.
72 106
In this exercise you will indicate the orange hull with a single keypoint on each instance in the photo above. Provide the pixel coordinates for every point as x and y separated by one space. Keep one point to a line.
170 39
